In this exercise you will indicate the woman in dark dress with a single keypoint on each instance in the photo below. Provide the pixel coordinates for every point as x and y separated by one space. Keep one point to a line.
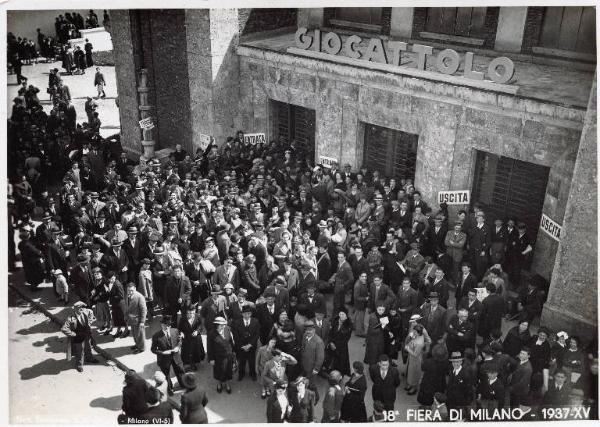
375 342
99 299
192 349
220 354
33 260
284 332
339 335
353 406
434 370
116 299
517 338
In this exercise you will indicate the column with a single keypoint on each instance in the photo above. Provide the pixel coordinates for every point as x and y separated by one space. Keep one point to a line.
401 25
511 27
572 297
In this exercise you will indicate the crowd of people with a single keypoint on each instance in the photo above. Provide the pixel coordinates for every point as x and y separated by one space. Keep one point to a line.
278 263
22 51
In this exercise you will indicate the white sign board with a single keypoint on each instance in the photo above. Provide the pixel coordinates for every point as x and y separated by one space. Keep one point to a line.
255 138
551 228
147 123
459 197
481 293
327 161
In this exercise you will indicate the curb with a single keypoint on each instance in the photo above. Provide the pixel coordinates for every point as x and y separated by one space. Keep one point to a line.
105 354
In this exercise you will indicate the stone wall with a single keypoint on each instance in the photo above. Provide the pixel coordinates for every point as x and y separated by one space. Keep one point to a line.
533 28
264 19
452 122
572 299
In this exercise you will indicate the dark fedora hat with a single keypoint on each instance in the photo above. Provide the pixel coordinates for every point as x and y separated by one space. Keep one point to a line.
189 380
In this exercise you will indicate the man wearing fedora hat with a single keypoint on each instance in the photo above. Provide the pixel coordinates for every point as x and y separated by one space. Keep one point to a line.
166 344
246 332
312 352
81 278
460 388
213 307
434 318
177 292
116 260
132 246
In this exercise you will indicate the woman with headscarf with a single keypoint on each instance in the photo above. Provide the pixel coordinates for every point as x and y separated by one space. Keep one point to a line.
339 335
192 348
220 354
353 405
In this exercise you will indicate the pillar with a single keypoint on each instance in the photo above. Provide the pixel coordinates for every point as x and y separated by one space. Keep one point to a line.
126 73
213 72
401 25
572 297
511 27
311 17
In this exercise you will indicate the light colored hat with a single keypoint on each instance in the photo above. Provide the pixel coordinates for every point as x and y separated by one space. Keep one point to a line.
563 334
57 272
415 317
219 321
79 304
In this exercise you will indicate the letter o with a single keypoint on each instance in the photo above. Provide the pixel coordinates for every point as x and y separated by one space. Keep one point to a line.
506 65
332 43
303 41
440 63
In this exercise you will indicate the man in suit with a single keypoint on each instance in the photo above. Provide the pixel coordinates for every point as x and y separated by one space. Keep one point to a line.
132 247
227 273
434 318
490 391
267 314
246 332
480 240
473 307
385 381
406 303
282 296
520 379
461 333
460 388
116 260
195 273
361 300
558 391
166 344
498 242
492 311
379 293
358 262
177 293
455 242
81 278
342 280
439 285
312 353
313 300
305 279
135 312
436 237
322 325
291 276
466 281
56 255
323 263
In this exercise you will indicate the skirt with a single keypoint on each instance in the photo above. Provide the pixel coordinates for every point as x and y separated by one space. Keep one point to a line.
102 313
223 369
118 316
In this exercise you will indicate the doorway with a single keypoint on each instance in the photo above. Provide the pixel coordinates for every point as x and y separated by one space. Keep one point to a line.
392 152
292 122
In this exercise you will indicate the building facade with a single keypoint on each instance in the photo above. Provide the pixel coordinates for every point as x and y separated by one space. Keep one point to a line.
497 101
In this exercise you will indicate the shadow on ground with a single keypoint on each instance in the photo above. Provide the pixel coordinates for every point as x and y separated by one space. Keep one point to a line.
47 367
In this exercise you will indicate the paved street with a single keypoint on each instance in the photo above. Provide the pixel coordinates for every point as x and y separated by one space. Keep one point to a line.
80 87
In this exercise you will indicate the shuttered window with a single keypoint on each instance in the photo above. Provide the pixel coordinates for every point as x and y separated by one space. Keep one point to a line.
294 122
457 21
569 28
508 187
392 152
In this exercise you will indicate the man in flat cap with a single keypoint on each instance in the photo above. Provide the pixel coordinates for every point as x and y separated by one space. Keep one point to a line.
78 328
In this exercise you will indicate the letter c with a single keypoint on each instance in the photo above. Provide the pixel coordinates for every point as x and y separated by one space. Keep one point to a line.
349 46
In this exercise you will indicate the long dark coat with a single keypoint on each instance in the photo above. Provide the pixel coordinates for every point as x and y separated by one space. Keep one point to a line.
433 380
192 348
340 337
221 351
116 299
353 405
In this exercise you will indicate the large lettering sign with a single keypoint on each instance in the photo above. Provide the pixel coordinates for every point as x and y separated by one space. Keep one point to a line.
460 197
255 138
327 161
551 228
448 61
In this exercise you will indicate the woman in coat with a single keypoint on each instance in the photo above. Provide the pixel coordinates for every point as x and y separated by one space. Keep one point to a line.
193 402
192 348
33 261
220 354
517 338
302 401
278 405
116 299
434 370
375 342
415 346
353 405
339 335
263 355
99 299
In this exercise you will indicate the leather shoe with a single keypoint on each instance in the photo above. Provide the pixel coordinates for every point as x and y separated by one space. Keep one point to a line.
125 334
134 347
79 369
137 351
92 360
219 388
228 389
107 333
117 334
